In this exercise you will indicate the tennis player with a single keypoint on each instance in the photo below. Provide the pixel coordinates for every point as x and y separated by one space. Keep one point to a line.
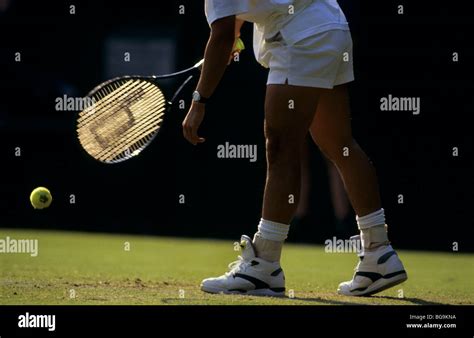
307 46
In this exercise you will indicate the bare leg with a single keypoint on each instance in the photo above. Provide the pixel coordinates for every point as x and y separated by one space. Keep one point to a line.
339 199
331 130
289 111
285 132
303 204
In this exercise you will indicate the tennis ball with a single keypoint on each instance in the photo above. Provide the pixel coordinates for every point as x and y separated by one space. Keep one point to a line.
41 198
239 45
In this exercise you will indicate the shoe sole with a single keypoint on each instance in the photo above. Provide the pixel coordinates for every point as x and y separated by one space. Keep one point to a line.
258 292
378 286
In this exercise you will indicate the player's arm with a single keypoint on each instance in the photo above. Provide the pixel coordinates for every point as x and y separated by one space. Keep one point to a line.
216 57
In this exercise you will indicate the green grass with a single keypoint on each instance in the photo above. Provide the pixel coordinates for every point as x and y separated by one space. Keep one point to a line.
100 271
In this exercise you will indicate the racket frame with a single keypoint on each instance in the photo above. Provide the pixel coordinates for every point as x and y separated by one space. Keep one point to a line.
154 79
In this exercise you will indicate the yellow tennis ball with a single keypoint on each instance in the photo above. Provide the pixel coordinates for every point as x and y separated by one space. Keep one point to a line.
41 198
239 45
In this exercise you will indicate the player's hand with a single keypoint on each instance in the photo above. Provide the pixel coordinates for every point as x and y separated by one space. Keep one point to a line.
192 122
236 49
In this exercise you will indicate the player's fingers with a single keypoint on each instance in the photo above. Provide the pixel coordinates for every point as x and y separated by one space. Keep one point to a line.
183 126
187 132
194 136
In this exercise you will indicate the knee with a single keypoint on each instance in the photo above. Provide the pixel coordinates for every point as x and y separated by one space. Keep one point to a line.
282 146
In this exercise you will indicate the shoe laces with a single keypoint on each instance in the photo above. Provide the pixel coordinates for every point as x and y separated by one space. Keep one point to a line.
355 271
237 266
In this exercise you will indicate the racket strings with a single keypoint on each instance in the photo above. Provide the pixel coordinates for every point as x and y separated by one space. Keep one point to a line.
122 121
122 138
115 126
108 96
98 119
147 124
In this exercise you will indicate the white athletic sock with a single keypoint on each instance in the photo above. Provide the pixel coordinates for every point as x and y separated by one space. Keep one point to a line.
273 231
268 240
373 230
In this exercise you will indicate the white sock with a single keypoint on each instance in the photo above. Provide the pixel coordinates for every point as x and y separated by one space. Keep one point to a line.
373 230
268 240
273 231
371 220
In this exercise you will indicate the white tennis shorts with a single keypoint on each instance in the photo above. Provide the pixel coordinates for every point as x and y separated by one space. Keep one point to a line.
323 60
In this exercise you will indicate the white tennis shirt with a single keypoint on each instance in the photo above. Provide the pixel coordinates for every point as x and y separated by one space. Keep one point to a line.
295 20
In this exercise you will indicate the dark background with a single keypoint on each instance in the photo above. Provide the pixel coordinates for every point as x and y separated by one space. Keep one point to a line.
402 55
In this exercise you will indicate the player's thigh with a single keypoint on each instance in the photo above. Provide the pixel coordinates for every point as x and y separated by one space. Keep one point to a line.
331 125
289 110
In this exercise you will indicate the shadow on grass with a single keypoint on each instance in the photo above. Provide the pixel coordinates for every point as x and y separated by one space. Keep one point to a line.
255 298
415 301
397 301
324 301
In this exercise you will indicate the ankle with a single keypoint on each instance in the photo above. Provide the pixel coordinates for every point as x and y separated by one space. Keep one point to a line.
374 237
373 230
266 249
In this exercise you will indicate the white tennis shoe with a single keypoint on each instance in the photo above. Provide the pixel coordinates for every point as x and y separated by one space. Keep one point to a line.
377 270
249 275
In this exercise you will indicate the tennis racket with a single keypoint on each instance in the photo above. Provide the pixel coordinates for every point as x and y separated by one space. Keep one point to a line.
126 115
